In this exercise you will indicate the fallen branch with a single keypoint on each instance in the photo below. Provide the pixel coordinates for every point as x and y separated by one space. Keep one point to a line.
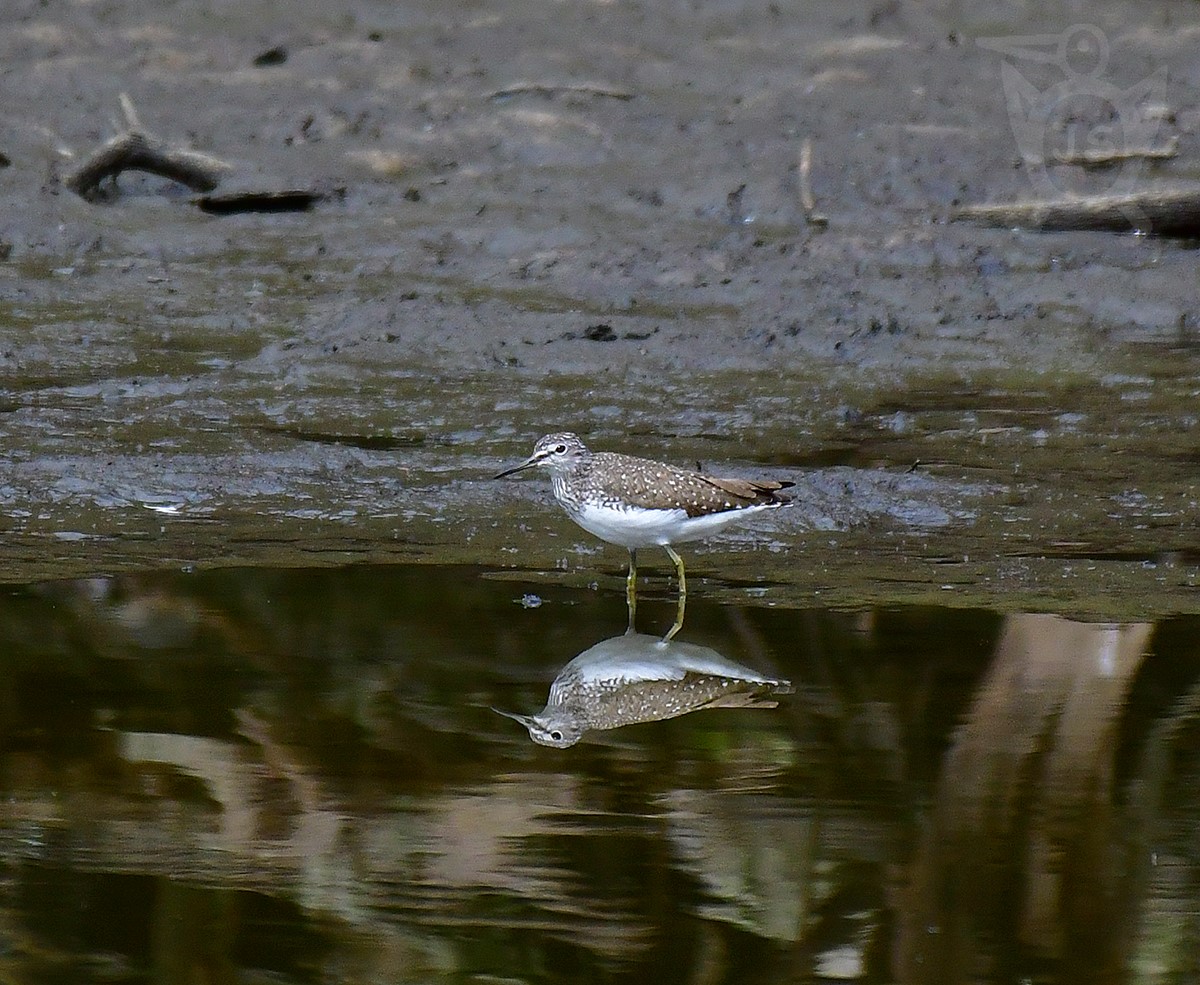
1158 212
136 150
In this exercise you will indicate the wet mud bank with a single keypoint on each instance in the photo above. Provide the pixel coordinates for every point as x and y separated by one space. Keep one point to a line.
596 221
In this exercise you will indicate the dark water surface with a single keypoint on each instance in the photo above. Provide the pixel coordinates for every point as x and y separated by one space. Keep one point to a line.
296 776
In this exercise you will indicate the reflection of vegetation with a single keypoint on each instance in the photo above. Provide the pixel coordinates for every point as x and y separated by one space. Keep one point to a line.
1031 857
1161 776
310 755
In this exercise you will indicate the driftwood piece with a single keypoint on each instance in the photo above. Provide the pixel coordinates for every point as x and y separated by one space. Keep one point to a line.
136 150
1158 212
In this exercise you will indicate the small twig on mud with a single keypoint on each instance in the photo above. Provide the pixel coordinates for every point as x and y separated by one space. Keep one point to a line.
550 91
1101 158
807 200
1158 212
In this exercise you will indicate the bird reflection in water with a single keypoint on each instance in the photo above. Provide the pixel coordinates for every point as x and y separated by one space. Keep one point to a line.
636 678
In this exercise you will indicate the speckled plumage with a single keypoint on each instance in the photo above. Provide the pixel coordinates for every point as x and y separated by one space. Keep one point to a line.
617 481
626 484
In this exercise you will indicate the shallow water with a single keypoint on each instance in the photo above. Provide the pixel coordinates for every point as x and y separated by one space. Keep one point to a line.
296 775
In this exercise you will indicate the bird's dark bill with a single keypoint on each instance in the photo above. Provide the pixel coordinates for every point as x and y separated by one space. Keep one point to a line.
528 464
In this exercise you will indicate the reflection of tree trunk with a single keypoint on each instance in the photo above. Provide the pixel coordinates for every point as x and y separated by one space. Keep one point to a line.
1019 854
194 931
249 819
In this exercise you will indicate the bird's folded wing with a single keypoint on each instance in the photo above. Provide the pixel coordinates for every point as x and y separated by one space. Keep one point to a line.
749 489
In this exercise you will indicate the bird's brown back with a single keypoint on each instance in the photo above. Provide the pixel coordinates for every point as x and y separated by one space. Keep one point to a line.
654 485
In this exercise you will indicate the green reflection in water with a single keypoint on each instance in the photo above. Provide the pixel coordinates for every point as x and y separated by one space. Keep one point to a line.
296 775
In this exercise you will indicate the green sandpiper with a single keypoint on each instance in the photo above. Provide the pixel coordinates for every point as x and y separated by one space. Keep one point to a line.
637 502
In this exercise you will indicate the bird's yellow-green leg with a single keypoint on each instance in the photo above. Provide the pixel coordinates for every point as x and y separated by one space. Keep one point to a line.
631 589
682 594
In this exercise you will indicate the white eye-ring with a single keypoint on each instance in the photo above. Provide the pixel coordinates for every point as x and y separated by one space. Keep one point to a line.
560 449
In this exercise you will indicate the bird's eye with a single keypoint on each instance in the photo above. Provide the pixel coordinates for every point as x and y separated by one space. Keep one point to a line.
556 735
560 449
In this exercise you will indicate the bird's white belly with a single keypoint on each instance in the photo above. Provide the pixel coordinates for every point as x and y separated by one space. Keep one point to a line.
634 527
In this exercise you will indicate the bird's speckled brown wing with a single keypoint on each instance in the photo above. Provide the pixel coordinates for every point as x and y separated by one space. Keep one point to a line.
653 485
655 701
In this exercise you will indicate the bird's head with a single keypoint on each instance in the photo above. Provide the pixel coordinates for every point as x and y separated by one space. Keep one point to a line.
547 730
559 452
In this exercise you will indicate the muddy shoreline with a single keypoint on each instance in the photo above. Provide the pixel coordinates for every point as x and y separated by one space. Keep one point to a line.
594 220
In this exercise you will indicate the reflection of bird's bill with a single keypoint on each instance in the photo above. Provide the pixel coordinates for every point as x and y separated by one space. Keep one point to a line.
526 720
